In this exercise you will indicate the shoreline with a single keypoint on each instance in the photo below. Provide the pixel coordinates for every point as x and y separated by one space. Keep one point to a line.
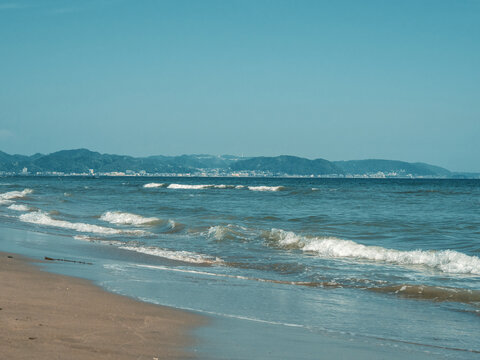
50 316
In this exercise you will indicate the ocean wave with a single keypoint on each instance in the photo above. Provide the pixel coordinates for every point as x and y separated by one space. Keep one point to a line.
154 185
432 293
15 194
125 218
41 218
212 186
19 207
184 256
188 187
173 227
222 186
448 261
227 232
200 186
266 188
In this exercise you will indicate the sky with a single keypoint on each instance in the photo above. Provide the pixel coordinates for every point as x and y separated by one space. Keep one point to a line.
339 80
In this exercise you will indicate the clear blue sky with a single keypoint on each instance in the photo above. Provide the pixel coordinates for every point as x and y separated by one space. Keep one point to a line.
321 79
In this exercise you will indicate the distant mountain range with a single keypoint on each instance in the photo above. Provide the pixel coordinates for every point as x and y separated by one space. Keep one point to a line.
83 161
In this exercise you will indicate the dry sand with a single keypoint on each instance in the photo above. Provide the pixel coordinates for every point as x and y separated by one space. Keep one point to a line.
48 316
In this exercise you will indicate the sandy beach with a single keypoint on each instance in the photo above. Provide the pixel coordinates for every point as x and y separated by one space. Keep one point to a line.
48 316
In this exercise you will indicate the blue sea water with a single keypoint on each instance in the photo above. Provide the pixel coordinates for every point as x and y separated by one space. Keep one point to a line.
284 267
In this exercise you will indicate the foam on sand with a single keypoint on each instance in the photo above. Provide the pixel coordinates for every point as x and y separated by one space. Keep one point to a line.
448 261
184 256
125 218
42 218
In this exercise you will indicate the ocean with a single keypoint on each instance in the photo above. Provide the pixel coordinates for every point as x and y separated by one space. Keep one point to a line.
290 268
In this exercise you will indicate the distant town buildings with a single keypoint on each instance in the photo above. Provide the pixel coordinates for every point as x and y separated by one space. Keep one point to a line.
217 173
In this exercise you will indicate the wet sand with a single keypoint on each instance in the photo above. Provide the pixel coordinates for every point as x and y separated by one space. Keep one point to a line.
49 316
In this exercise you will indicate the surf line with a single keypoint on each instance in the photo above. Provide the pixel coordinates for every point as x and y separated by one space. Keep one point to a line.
299 283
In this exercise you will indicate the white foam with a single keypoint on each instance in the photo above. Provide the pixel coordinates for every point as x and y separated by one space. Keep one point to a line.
185 256
125 218
218 232
154 185
84 238
97 239
266 188
173 227
188 187
448 261
15 194
19 207
199 186
172 224
202 186
41 218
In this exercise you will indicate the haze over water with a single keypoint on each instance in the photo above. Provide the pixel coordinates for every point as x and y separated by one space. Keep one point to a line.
389 264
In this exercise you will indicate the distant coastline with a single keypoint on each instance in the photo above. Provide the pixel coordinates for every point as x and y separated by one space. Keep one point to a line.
83 162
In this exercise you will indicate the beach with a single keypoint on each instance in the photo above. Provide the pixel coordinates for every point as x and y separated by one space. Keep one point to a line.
49 316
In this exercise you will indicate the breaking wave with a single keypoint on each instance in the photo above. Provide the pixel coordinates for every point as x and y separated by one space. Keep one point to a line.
199 186
154 185
448 261
173 227
125 218
228 232
188 187
19 207
266 188
212 186
41 218
184 256
15 195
